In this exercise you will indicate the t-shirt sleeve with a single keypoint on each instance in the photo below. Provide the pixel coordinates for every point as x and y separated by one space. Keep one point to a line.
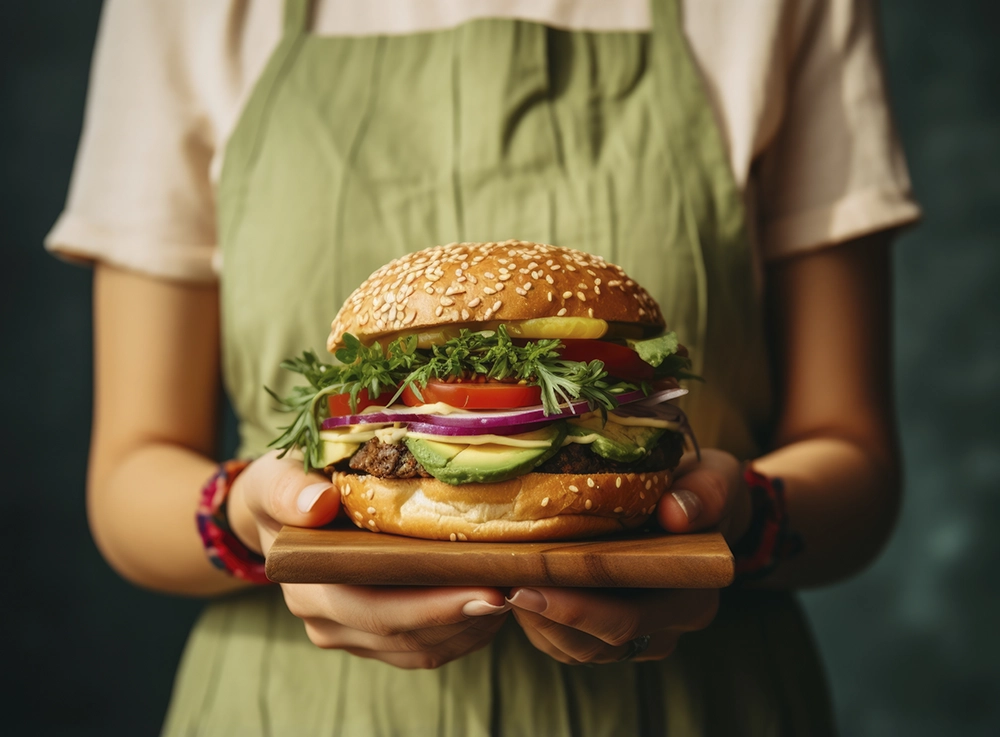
140 197
835 169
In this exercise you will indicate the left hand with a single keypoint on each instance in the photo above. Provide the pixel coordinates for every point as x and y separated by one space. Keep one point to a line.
577 626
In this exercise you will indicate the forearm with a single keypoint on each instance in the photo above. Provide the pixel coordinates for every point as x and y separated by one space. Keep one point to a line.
142 515
842 499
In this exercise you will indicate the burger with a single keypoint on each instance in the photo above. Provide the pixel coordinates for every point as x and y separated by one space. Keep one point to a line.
494 392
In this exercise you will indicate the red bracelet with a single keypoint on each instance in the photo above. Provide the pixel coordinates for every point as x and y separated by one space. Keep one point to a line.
224 549
768 540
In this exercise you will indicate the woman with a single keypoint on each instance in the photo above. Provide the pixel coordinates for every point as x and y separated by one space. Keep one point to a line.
701 145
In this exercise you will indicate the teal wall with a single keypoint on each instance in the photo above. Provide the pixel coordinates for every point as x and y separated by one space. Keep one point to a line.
911 645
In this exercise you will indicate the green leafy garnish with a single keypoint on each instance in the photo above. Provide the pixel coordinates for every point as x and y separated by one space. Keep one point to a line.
492 354
661 353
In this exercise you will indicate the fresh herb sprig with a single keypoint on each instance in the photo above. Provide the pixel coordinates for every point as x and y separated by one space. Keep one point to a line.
537 363
400 364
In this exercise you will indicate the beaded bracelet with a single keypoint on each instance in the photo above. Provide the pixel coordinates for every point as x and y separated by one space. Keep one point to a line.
768 540
223 548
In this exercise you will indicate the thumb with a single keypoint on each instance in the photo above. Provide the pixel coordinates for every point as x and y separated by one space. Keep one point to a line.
704 493
273 492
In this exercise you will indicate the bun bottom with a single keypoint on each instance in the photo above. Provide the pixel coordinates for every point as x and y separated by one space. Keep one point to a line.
536 506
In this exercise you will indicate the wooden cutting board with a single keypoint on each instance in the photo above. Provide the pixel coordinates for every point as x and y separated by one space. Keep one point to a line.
635 560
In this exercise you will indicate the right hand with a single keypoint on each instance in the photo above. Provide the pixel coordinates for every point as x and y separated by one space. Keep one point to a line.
416 627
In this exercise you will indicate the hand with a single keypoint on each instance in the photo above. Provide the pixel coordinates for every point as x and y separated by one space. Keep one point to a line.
598 625
406 627
707 494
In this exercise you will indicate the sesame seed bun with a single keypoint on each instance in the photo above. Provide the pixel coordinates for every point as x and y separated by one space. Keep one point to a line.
465 283
536 506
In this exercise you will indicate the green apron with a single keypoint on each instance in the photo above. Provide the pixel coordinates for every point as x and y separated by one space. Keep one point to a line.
353 151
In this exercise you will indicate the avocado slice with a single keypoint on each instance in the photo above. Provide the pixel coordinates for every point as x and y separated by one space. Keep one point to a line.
622 443
456 463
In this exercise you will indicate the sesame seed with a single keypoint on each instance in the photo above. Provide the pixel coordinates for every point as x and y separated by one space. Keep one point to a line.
371 523
504 277
358 515
561 312
453 537
590 482
475 302
588 504
590 312
619 510
567 295
472 279
371 510
498 286
549 279
556 267
550 295
649 484
641 495
438 311
527 286
582 297
570 267
347 489
573 488
455 290
545 502
618 482
489 275
465 314
520 291
496 305
447 301
370 494
597 282
597 290
487 290
462 537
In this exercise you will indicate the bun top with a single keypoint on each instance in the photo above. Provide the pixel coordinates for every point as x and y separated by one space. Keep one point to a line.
464 283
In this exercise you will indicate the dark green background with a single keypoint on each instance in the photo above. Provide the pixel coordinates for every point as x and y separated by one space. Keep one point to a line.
911 645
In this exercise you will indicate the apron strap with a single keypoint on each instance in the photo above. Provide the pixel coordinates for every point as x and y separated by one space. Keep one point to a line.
297 17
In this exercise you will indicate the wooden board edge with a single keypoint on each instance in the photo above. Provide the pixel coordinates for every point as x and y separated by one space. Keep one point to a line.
710 569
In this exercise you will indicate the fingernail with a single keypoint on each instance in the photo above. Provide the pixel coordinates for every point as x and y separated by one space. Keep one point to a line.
480 608
689 503
309 496
529 599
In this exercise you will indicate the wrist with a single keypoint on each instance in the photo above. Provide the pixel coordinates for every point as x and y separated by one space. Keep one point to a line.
224 550
242 522
741 516
767 539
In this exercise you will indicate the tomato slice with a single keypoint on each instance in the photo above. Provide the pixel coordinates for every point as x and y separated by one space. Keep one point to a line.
340 404
472 395
619 360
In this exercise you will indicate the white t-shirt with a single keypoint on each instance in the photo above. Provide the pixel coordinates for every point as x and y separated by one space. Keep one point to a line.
797 87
